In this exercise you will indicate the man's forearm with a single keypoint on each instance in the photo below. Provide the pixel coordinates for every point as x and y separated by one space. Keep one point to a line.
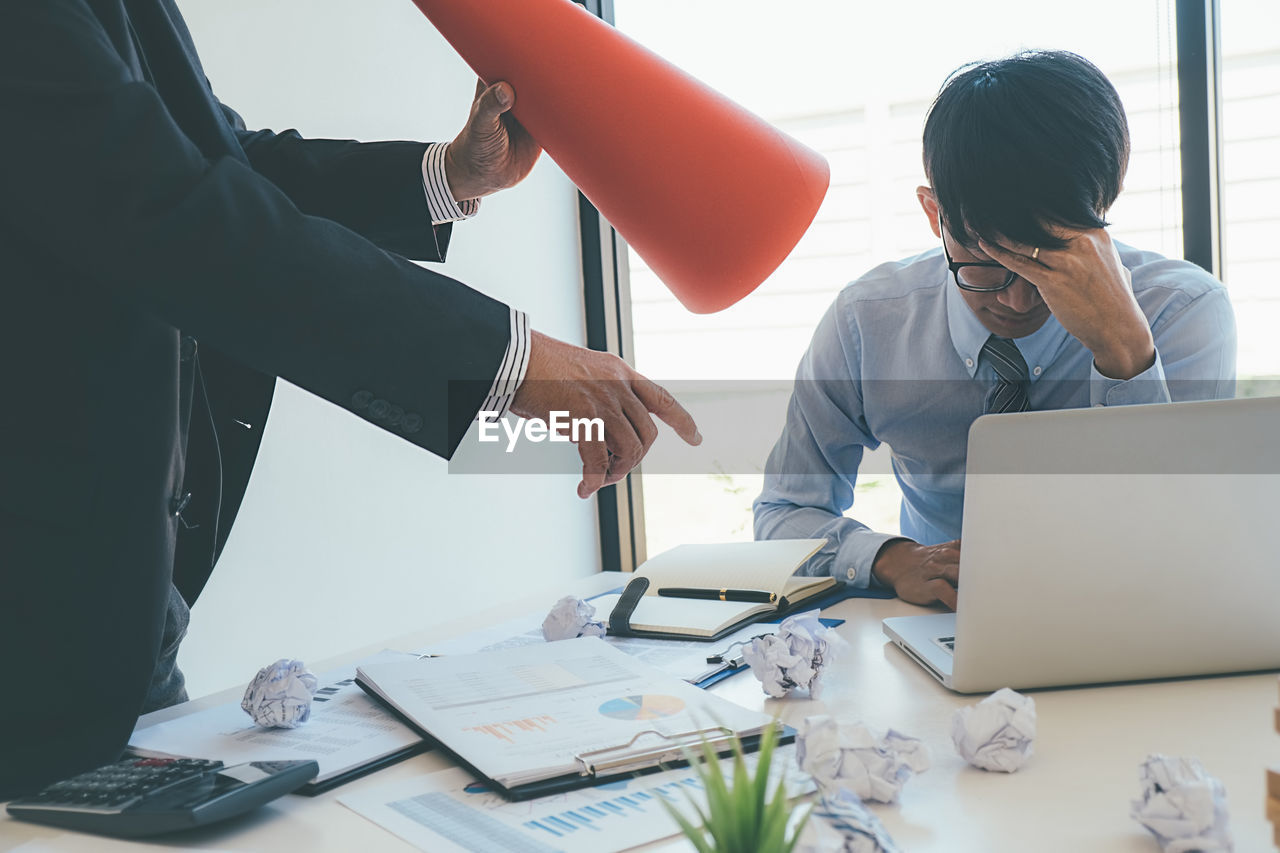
851 546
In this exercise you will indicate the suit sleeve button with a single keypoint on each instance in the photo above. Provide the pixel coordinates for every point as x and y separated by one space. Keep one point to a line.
412 423
378 409
394 415
361 399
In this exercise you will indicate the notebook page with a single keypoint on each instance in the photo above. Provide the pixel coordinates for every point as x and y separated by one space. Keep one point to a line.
766 564
699 617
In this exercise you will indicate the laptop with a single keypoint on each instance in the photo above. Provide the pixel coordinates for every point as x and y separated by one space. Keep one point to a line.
1112 544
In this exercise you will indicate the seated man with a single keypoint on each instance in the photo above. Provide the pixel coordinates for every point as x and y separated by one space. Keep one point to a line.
1027 303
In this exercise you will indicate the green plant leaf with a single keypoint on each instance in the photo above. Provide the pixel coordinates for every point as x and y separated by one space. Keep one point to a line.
695 834
719 805
773 825
768 740
800 825
742 814
744 801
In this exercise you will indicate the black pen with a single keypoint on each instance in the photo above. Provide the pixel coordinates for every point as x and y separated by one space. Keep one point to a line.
757 595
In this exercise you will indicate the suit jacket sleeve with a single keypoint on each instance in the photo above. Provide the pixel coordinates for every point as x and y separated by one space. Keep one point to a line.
97 173
114 196
367 186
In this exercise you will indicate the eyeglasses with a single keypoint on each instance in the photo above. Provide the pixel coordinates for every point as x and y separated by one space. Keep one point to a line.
979 276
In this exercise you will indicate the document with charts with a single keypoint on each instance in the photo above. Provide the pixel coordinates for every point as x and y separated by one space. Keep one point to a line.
555 716
348 734
452 812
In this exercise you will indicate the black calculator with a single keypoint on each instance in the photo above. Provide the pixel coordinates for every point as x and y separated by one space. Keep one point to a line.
149 796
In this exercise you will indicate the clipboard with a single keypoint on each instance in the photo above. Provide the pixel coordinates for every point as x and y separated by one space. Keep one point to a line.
652 742
604 764
313 789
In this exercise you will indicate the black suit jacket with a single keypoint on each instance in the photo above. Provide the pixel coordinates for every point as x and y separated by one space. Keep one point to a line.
137 221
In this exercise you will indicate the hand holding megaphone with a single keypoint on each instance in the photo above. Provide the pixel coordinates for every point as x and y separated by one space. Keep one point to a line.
493 151
712 197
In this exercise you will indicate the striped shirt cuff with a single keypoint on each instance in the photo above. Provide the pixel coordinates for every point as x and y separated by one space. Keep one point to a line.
515 364
440 201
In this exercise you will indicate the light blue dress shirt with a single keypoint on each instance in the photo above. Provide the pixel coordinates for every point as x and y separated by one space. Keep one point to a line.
895 360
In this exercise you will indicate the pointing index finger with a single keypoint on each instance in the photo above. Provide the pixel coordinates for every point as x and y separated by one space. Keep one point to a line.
595 467
660 401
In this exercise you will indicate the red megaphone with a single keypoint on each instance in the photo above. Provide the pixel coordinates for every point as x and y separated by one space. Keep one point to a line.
712 197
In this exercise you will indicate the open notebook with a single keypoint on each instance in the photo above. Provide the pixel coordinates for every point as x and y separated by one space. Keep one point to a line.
766 566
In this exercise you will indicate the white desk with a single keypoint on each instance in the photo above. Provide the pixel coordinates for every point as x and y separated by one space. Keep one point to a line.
1072 796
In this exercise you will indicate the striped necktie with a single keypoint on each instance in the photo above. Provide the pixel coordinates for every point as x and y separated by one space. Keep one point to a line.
1013 383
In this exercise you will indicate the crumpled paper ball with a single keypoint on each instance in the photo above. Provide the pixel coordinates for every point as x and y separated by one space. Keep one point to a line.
794 657
850 756
1182 806
571 617
840 823
998 732
280 695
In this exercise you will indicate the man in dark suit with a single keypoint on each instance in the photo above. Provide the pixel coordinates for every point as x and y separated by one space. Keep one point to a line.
159 266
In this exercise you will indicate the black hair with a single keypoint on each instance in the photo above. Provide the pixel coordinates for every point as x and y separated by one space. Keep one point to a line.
1020 145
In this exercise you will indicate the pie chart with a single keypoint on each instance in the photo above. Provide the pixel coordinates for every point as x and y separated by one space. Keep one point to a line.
648 706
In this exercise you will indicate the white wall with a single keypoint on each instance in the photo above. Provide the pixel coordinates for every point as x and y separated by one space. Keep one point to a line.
349 535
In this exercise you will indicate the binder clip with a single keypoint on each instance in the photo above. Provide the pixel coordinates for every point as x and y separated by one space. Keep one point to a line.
611 760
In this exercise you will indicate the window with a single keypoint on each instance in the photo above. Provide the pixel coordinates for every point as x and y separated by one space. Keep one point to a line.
1250 132
854 81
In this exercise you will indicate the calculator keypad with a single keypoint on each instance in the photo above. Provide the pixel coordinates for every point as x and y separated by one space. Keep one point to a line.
119 786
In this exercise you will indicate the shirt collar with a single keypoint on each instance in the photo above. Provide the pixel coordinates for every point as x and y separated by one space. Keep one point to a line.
968 335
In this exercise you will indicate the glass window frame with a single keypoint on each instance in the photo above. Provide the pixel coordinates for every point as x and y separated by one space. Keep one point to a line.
605 268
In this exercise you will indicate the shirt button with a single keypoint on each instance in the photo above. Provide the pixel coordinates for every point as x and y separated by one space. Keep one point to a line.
852 575
1038 370
968 362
